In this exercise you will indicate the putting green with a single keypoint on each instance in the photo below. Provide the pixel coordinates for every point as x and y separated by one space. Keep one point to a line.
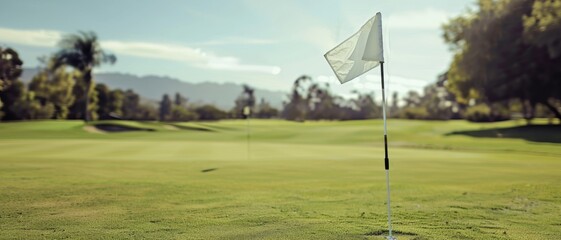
313 180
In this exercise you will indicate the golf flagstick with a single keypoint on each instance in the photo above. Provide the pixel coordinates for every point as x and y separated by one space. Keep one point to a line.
355 56
247 113
386 158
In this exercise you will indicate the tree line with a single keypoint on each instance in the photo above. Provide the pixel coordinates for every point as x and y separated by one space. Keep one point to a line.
507 58
506 64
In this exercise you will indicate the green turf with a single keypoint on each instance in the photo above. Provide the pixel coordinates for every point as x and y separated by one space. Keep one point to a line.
313 180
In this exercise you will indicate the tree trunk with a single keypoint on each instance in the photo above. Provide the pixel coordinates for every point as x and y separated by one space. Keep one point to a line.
553 109
88 82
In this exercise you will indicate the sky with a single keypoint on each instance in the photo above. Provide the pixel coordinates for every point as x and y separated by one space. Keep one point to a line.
266 44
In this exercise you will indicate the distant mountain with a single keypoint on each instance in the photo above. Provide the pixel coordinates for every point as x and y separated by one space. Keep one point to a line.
153 87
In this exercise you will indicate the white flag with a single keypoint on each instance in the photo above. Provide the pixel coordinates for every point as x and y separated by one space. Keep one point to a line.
359 53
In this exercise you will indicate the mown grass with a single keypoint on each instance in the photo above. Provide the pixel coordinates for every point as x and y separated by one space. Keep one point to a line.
313 180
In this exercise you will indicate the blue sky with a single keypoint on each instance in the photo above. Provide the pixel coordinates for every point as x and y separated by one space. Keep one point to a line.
266 44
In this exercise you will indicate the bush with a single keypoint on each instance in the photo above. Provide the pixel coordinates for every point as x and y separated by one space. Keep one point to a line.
30 108
414 113
179 113
209 112
483 113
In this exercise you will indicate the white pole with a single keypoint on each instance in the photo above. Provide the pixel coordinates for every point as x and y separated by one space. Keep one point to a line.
247 113
386 159
248 139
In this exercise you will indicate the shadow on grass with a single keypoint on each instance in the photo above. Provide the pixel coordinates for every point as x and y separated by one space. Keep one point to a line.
534 133
106 127
192 128
386 233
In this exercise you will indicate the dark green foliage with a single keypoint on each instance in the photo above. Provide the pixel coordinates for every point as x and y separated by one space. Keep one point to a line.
507 50
210 112
110 102
146 112
434 104
165 108
246 99
483 113
103 110
296 107
366 107
414 113
28 108
54 86
182 114
179 100
83 52
265 110
10 87
131 103
80 94
10 95
310 100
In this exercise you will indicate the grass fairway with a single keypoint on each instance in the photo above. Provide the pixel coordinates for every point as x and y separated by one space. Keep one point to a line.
313 180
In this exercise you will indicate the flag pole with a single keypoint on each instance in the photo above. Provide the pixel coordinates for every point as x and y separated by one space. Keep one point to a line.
247 114
386 158
248 137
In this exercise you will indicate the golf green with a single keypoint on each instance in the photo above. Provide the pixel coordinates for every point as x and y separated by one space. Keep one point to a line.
312 180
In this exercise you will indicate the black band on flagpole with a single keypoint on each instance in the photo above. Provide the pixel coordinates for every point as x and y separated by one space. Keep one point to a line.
386 159
382 70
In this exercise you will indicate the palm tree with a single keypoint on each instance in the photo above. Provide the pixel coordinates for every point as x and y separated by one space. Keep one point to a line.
82 52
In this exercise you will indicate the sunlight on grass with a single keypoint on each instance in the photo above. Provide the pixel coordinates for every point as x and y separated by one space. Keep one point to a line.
313 180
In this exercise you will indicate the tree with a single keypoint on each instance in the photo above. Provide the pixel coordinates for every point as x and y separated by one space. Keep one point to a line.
365 106
54 86
103 110
265 110
543 25
297 107
179 100
246 99
83 52
165 108
28 107
131 105
504 52
116 98
412 99
146 112
110 102
394 108
15 92
10 87
182 114
76 110
314 101
210 112
321 103
434 104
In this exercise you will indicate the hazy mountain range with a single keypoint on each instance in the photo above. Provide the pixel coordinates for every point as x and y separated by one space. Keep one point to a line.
153 88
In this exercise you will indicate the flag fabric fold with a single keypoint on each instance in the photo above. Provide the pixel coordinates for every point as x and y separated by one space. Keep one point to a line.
359 53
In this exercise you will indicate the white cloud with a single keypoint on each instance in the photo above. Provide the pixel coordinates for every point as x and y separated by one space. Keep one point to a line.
155 50
192 56
423 19
37 38
237 41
